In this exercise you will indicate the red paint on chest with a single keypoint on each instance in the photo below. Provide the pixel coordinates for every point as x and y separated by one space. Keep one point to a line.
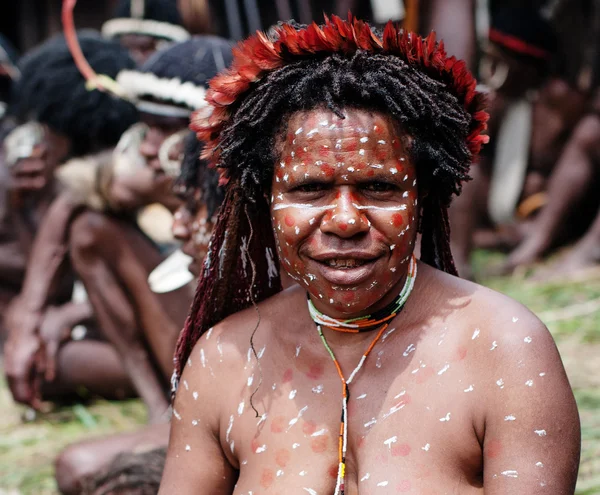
360 443
381 155
315 371
267 477
461 353
492 449
282 457
324 151
287 376
278 424
309 427
424 374
397 220
333 471
401 450
319 444
289 220
404 486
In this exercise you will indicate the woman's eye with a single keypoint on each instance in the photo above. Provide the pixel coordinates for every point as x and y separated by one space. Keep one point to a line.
311 187
379 187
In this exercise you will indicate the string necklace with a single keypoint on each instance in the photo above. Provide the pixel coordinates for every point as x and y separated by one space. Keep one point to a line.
356 325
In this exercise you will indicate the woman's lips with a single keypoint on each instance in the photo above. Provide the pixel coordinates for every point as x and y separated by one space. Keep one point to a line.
345 271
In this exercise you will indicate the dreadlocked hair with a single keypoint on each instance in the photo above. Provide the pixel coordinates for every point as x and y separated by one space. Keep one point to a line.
52 91
155 10
195 174
340 65
129 474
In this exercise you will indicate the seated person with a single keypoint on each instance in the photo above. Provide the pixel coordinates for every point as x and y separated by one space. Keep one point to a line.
197 187
338 144
61 120
145 26
533 113
141 326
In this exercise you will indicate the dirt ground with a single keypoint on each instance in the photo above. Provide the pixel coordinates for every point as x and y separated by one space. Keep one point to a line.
571 309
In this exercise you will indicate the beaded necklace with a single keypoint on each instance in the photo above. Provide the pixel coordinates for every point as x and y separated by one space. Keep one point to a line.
356 325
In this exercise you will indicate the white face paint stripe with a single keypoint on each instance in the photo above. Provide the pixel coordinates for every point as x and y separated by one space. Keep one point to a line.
380 208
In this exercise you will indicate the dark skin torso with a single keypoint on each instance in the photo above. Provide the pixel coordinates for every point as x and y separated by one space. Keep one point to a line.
441 410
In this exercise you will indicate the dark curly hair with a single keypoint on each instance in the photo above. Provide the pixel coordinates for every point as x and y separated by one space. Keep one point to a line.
52 91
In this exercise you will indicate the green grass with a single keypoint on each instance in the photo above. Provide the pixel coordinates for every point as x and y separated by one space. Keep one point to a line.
27 449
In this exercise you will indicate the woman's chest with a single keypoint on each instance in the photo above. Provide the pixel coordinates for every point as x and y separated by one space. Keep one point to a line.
400 423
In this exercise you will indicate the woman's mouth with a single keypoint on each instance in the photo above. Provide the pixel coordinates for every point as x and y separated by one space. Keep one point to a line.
345 271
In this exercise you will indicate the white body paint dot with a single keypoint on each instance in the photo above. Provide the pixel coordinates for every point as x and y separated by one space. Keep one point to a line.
476 334
500 383
426 447
383 483
510 474
540 433
445 418
494 345
188 448
529 383
539 464
527 340
510 417
469 389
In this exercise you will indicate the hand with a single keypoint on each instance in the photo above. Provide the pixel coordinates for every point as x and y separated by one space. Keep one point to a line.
21 356
19 319
55 329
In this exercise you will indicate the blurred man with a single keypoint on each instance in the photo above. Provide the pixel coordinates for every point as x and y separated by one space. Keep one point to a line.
145 26
197 188
61 119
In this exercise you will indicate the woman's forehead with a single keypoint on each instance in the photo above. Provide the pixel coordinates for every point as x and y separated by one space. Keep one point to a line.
318 124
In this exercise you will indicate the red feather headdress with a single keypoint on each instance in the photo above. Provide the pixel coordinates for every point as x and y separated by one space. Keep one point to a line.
258 55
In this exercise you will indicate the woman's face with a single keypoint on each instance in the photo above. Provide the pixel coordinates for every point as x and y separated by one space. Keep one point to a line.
344 208
193 228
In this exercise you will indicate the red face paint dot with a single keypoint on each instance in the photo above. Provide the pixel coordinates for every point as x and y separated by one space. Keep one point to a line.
267 477
401 450
348 297
315 371
324 151
371 173
338 195
282 457
319 444
328 170
287 376
309 427
289 220
381 155
353 196
424 374
396 144
404 486
492 448
278 424
343 226
350 145
397 220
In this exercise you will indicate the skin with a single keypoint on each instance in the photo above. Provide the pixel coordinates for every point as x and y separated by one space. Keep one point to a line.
432 407
27 192
139 46
556 112
83 459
